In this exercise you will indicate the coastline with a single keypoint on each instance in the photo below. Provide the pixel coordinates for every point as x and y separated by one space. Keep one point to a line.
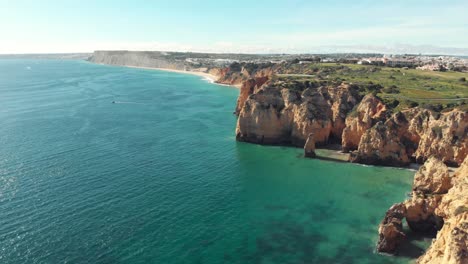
209 77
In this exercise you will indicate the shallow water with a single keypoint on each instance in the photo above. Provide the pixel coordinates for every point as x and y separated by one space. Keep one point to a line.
157 176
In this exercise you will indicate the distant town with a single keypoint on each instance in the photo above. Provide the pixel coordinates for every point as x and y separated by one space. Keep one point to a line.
421 62
194 60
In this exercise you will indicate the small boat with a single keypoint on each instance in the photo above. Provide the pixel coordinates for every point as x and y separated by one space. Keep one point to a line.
113 102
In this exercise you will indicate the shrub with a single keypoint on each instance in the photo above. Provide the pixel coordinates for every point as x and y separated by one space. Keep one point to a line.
391 90
390 103
236 67
433 107
371 87
412 104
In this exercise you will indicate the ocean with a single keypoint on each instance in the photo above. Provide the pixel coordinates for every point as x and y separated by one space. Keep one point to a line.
104 164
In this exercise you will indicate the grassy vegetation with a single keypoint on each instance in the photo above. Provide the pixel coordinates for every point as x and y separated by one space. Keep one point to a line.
400 87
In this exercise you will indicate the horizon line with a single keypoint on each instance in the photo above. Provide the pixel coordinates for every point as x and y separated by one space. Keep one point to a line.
233 53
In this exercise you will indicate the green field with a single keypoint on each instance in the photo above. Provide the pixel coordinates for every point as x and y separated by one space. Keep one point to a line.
446 89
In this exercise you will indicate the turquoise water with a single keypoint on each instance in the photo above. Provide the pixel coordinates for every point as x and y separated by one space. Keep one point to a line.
158 177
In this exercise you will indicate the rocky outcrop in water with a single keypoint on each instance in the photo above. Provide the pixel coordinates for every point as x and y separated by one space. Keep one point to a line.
391 233
276 115
309 147
439 202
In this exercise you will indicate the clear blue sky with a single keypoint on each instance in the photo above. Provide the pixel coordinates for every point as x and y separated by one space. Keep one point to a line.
214 25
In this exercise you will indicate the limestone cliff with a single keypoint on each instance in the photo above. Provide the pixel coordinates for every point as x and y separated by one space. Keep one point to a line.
369 111
247 88
239 74
278 110
444 136
381 145
439 202
277 115
136 59
451 243
415 134
271 113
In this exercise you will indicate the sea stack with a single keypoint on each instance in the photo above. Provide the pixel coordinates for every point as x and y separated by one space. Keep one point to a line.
309 147
391 232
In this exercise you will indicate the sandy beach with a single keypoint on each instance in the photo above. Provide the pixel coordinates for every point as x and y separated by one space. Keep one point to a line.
210 77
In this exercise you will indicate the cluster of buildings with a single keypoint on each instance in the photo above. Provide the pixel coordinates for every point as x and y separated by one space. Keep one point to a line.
422 62
432 63
440 63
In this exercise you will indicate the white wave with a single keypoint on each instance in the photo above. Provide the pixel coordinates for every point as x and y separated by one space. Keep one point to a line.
208 79
126 102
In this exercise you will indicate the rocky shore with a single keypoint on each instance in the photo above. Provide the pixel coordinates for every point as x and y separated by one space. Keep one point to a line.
269 112
310 114
438 204
273 111
306 115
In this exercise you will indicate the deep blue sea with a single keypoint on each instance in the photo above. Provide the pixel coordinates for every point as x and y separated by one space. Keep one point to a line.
157 176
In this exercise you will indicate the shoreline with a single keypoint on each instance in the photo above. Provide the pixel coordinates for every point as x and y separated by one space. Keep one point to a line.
209 77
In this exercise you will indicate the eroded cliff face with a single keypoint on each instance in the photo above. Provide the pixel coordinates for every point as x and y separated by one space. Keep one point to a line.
451 243
247 88
412 135
445 137
381 145
369 111
439 202
276 115
272 114
242 75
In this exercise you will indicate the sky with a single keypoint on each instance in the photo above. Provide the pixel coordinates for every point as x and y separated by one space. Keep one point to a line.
247 26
